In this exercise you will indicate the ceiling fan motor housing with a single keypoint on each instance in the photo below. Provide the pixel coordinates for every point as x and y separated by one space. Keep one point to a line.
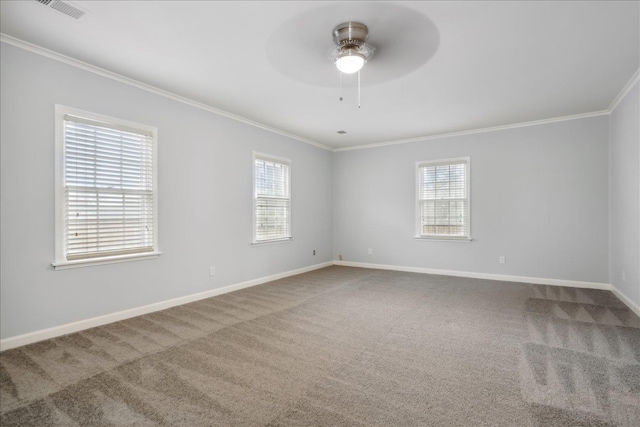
350 35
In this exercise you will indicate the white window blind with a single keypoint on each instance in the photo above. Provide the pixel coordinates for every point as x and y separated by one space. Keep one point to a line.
443 199
108 189
272 198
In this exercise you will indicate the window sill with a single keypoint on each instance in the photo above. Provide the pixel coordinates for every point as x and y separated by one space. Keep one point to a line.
65 265
444 239
272 241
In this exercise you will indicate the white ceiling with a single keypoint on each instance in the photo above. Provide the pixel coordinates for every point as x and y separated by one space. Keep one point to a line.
440 67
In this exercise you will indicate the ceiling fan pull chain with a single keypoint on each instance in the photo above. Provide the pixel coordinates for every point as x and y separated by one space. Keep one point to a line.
358 88
340 85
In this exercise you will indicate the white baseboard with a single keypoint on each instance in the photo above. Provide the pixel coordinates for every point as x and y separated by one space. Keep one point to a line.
488 276
69 328
625 299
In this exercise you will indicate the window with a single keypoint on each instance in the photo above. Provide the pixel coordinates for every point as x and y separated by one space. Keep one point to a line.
443 199
106 207
272 199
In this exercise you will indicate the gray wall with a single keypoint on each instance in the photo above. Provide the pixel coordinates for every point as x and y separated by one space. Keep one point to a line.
624 167
538 196
205 199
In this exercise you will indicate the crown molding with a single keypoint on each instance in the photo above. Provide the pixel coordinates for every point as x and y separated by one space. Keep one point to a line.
4 38
625 90
481 130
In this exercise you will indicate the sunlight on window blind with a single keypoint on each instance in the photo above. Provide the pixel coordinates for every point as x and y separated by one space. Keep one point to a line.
273 202
443 199
108 188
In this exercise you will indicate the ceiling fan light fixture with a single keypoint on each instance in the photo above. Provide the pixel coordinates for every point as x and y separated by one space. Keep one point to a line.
350 61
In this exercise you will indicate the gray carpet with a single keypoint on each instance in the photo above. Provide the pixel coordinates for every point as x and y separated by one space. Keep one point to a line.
343 346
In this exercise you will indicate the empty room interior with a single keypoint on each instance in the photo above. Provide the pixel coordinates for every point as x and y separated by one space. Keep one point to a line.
308 213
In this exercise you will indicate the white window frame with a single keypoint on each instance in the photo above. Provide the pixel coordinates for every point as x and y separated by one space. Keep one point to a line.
418 224
61 262
289 238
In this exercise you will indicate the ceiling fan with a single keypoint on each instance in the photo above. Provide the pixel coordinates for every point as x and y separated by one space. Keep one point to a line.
400 40
351 51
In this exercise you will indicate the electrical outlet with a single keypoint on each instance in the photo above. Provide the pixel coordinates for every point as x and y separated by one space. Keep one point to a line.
370 251
340 257
212 271
314 251
502 259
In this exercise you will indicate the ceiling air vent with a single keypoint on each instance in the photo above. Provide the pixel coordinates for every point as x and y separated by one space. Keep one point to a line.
63 7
